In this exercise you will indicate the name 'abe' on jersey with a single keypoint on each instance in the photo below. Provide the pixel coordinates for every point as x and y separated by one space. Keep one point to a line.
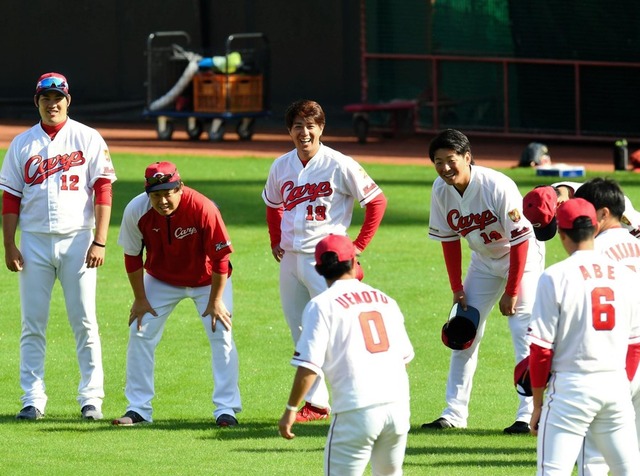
488 215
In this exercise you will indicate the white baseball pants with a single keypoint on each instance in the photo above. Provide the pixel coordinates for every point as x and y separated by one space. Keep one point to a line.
377 434
599 402
484 285
163 297
299 282
47 257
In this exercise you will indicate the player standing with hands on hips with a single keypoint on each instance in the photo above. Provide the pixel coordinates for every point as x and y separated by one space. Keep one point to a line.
484 207
187 257
56 179
585 340
355 335
310 193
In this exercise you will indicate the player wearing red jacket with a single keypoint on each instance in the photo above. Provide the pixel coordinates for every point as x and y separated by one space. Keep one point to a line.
187 256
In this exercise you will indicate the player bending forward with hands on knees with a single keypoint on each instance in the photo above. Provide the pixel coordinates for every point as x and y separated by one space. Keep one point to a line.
56 179
355 335
585 338
484 207
187 257
310 193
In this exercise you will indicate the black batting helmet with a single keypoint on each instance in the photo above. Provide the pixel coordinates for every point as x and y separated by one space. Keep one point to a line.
460 329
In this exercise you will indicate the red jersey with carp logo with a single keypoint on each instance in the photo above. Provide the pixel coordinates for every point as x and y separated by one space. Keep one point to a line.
66 167
317 198
488 215
180 247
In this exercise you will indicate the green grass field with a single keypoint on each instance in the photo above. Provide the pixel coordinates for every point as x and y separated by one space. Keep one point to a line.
183 439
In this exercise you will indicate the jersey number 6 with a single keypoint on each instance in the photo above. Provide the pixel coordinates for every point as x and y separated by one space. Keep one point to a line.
602 310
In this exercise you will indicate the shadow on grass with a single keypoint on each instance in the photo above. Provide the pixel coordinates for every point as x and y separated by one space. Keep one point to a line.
245 430
489 455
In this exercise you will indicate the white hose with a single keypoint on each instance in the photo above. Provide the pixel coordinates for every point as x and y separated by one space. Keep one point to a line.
182 83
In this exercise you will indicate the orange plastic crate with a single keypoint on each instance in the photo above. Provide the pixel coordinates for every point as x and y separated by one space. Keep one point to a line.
210 92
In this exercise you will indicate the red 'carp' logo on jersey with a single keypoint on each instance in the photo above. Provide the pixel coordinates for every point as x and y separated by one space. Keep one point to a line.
38 169
295 195
473 221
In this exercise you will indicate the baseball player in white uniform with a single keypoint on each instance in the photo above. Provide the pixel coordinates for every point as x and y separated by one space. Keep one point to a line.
56 179
585 317
618 244
310 193
355 335
186 256
484 207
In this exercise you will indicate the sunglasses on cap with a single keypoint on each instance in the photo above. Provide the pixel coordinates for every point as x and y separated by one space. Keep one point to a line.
51 82
159 178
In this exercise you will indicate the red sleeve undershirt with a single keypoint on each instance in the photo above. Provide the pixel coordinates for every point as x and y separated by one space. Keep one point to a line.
10 204
132 263
539 365
373 213
452 251
517 260
221 266
633 358
274 220
103 191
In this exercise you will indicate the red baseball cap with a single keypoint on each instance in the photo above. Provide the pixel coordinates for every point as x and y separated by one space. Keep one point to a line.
539 207
573 209
161 176
339 244
52 82
634 158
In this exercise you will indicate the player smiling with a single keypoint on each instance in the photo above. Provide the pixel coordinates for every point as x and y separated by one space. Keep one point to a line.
485 208
57 179
310 193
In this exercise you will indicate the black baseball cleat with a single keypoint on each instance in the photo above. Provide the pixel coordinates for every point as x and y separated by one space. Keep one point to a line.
130 418
439 424
30 413
226 421
90 412
518 428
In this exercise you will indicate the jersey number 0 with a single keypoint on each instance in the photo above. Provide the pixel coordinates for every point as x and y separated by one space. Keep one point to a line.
374 332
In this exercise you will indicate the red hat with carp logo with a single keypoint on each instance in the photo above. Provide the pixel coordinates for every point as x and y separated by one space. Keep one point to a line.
161 176
539 207
52 82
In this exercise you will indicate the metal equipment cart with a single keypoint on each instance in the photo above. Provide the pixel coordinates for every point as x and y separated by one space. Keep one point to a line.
179 87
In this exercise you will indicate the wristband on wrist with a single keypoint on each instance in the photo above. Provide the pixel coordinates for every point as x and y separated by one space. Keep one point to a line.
292 408
101 245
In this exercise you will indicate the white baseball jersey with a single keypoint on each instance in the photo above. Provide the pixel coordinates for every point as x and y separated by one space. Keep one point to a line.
587 310
631 217
66 168
619 245
355 334
318 198
488 215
